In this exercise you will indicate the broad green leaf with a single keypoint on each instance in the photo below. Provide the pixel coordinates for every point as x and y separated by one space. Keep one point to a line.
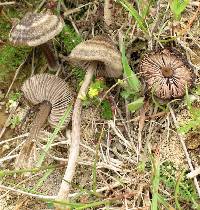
135 105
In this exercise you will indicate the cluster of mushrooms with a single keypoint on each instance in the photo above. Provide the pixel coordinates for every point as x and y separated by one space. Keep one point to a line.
164 74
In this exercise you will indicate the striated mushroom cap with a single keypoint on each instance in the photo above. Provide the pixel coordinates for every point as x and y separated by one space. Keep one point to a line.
35 29
165 74
99 49
47 87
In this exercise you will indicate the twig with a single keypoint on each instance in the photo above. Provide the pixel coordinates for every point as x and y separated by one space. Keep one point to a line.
185 150
141 126
14 138
7 3
68 12
194 173
16 73
2 187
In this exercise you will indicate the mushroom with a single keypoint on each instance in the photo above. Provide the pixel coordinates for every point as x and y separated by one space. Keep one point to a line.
36 30
53 95
100 56
165 74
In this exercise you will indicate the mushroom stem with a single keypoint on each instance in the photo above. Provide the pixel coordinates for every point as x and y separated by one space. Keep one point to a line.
38 122
75 140
50 56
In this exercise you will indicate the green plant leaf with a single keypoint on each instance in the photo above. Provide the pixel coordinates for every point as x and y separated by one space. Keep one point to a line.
135 14
106 110
132 79
177 7
135 105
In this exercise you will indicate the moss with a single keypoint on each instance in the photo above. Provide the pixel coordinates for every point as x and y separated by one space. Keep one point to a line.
70 38
10 58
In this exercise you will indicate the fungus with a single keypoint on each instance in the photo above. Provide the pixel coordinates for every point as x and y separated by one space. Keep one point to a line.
36 30
97 56
53 96
165 74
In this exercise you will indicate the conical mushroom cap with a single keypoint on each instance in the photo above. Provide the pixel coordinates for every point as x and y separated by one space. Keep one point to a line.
47 87
101 50
35 29
166 74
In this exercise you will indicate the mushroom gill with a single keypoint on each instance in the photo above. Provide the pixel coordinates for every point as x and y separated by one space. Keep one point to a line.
165 74
53 96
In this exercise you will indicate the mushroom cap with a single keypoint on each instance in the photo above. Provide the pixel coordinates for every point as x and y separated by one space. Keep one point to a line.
47 87
165 74
35 29
99 49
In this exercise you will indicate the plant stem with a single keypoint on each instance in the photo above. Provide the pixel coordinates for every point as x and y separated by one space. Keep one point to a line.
51 59
75 141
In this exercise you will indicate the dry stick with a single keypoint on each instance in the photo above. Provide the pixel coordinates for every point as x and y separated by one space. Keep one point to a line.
194 173
2 187
16 73
75 142
7 3
185 151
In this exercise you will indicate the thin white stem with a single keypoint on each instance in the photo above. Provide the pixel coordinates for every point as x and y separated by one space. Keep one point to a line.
75 141
7 3
15 76
2 187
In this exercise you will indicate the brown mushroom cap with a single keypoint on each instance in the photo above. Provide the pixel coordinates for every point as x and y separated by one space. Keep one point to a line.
35 29
47 87
165 74
101 50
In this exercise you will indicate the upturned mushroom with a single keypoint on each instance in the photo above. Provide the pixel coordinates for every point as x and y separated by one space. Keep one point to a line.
36 30
97 56
53 95
165 74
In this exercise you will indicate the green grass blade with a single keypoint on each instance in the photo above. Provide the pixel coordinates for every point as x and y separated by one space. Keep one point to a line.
135 14
155 181
177 190
177 7
132 79
41 181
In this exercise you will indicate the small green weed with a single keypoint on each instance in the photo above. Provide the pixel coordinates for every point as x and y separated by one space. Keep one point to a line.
182 188
93 97
106 112
15 121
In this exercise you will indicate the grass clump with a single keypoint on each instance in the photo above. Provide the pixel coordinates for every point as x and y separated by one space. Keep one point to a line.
182 188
